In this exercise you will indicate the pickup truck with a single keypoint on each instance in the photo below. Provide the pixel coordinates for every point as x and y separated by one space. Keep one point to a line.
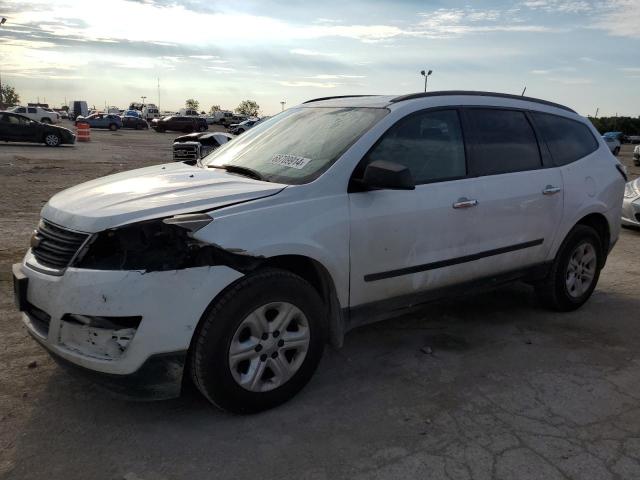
38 114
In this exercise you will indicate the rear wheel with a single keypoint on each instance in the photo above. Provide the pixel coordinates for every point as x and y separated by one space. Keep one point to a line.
202 128
113 127
260 343
52 140
45 120
575 271
616 151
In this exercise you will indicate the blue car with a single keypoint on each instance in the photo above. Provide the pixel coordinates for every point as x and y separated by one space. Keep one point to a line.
132 113
101 120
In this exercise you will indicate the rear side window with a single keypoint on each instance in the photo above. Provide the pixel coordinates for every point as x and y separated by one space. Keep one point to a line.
567 139
502 141
429 143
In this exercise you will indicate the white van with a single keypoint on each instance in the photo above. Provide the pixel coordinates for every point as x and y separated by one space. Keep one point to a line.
188 112
150 111
339 212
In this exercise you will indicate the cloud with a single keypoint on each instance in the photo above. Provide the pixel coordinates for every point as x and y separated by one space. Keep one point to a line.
334 77
309 84
310 53
620 18
562 6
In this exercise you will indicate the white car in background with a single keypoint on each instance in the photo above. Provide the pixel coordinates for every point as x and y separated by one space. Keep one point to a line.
339 212
636 156
38 114
631 204
613 144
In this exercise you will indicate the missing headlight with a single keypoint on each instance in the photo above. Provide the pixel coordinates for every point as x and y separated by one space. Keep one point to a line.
159 245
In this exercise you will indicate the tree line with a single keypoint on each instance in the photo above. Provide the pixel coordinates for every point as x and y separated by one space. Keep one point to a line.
626 125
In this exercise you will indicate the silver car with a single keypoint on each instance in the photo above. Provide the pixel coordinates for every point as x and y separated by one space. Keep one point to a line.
613 144
636 156
631 204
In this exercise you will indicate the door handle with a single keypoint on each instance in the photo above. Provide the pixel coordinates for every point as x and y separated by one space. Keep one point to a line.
550 190
464 202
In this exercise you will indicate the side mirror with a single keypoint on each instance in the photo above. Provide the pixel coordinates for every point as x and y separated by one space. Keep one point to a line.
388 175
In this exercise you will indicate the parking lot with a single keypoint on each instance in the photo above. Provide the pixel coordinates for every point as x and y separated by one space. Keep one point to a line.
480 387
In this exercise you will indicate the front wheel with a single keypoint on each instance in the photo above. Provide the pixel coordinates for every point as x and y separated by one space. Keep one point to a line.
259 343
52 140
201 128
575 271
113 127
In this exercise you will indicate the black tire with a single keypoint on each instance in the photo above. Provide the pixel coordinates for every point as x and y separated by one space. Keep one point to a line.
45 120
113 127
138 126
210 368
553 291
202 128
159 130
616 151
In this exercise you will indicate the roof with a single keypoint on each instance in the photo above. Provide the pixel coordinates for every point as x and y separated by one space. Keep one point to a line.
381 101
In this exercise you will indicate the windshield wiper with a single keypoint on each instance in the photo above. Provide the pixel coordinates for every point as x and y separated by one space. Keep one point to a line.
240 170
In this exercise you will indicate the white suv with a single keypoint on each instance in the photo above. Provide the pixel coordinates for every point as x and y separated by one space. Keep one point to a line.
342 211
38 114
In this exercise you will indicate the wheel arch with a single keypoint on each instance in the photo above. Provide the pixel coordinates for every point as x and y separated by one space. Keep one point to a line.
600 224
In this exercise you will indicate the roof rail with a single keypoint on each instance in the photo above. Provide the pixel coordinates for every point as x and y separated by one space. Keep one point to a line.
478 94
336 96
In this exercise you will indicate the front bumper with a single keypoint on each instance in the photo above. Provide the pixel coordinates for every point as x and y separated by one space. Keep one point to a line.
169 303
631 212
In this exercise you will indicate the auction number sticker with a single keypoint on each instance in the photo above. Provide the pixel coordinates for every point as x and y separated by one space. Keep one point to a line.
292 161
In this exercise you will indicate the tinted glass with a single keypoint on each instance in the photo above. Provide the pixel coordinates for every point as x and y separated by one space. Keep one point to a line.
21 110
567 139
503 141
430 144
32 110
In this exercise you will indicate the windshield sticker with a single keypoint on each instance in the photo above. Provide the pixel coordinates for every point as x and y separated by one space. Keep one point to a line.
292 161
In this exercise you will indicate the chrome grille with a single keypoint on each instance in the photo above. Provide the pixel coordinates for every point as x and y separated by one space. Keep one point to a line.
186 151
54 246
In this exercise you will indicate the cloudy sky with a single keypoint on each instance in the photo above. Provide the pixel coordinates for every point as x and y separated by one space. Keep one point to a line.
579 52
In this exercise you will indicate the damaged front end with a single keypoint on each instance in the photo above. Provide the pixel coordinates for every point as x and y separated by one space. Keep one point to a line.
160 245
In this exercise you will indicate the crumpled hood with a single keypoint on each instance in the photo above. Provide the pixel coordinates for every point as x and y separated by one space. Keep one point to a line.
148 193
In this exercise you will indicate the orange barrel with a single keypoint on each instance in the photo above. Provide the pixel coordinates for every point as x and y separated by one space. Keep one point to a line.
83 132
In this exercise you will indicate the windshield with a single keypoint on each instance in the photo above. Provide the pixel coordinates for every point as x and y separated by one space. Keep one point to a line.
298 145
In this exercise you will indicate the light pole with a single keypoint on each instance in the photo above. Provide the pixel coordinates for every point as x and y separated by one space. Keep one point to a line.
282 103
426 74
143 99
2 21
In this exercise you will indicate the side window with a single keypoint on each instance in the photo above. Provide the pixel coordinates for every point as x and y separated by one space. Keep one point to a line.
568 140
502 141
21 110
429 143
32 110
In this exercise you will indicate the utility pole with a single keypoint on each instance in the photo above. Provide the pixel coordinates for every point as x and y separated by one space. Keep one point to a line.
597 110
283 103
158 94
525 89
143 99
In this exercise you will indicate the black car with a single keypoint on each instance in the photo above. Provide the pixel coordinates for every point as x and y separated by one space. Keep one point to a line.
180 124
17 128
134 122
189 148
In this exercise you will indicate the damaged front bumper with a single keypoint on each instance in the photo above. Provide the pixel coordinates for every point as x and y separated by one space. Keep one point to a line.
129 329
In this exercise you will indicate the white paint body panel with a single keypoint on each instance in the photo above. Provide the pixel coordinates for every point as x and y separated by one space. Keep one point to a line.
351 235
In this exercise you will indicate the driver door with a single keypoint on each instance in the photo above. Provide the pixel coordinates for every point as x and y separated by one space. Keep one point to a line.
404 242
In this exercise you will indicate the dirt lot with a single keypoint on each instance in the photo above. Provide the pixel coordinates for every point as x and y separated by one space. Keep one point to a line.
510 391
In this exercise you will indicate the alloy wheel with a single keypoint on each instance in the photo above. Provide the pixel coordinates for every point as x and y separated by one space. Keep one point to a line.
52 140
581 269
269 346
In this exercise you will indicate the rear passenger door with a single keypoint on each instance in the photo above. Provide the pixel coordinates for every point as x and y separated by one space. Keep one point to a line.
520 197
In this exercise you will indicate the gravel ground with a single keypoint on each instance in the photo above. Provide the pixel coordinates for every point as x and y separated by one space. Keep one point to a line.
505 389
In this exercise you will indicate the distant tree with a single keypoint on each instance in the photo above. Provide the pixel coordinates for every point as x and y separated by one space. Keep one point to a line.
65 108
192 104
626 125
248 107
8 96
214 108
